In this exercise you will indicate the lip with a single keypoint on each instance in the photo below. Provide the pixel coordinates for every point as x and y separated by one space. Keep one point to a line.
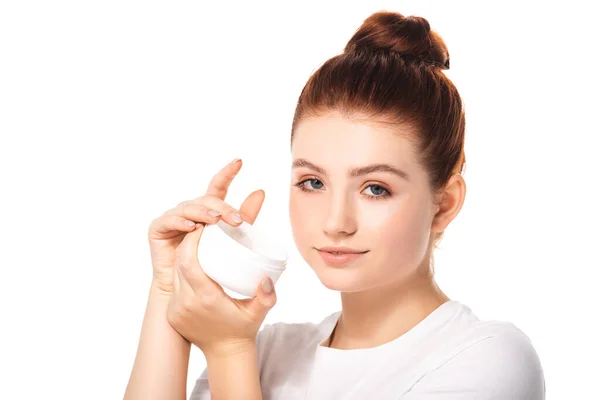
341 249
344 257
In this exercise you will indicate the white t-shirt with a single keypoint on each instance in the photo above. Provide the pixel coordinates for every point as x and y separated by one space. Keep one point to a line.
450 355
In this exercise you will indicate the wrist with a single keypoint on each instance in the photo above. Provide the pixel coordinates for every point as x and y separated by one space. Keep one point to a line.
160 289
233 371
230 350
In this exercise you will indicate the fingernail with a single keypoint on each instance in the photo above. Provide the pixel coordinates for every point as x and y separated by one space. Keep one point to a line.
235 160
213 213
236 218
267 285
190 223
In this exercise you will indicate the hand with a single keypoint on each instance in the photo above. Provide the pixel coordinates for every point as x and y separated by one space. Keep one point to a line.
167 231
201 311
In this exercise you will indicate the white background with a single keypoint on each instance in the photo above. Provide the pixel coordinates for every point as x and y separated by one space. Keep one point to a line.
112 112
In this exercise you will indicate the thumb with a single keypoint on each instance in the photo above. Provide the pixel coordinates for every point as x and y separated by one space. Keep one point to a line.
265 297
251 206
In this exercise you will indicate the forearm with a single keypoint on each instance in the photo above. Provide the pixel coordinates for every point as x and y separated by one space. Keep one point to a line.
234 375
161 363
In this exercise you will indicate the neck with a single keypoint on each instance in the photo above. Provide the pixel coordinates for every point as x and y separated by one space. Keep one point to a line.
381 314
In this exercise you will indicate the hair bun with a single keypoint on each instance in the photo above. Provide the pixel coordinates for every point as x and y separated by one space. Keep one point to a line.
410 37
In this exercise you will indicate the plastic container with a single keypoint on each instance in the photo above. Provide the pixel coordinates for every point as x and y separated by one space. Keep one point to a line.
238 257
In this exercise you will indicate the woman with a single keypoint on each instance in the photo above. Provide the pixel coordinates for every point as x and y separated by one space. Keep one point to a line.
377 146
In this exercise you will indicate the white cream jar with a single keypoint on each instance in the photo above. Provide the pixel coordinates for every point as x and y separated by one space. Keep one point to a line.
239 257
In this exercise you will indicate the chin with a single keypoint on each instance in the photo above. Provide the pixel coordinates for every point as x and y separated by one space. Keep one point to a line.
340 279
339 284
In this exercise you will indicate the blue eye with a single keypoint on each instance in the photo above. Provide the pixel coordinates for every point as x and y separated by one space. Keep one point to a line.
319 184
379 192
303 187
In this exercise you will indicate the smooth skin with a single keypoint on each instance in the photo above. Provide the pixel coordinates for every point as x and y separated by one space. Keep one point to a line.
186 307
391 288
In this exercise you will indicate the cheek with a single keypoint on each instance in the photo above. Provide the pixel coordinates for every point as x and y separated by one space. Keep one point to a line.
380 215
300 217
399 229
295 211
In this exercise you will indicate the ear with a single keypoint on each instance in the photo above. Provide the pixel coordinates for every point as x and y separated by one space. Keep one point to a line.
450 202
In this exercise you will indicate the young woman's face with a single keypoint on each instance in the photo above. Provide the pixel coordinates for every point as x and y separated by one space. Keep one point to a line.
350 197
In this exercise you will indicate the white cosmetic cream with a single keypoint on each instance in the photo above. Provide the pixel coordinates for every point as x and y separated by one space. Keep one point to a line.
239 257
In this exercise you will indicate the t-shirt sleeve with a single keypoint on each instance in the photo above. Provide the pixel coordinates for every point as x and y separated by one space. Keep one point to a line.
201 390
500 367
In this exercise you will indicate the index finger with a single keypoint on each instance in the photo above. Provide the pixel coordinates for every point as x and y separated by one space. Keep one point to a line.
219 184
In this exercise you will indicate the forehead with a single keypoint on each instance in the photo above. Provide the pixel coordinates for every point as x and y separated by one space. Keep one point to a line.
333 140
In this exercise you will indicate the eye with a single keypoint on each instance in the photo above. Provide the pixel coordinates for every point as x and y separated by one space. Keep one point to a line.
379 192
314 184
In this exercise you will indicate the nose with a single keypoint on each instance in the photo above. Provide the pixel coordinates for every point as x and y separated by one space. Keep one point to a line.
341 220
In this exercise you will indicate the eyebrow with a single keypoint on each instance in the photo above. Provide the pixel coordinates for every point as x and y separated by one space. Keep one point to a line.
355 172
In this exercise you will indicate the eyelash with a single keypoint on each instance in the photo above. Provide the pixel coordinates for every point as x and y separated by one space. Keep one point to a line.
300 185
